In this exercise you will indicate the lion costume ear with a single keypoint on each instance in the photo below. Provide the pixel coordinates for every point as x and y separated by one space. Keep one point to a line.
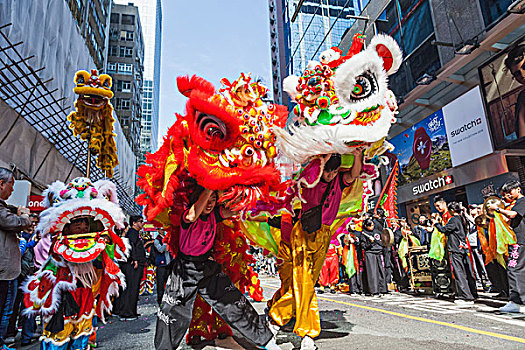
388 50
52 193
187 85
290 86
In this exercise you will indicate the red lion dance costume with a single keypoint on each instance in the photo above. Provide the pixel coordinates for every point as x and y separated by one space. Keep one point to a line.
225 143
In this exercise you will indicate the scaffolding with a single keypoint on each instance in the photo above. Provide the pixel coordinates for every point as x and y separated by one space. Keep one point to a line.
24 91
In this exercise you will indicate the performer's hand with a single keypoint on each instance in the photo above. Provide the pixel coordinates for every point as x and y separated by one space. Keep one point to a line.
135 264
358 151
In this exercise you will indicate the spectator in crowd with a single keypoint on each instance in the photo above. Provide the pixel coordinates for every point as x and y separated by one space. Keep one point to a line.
271 265
355 283
162 262
477 256
27 324
423 231
126 304
373 249
12 222
441 206
511 193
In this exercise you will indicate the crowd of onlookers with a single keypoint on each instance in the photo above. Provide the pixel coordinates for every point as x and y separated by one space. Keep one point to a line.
265 263
465 235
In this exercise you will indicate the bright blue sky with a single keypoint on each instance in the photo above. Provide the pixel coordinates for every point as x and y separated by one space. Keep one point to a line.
213 39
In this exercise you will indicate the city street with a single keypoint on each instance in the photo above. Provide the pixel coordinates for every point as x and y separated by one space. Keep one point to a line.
396 321
378 140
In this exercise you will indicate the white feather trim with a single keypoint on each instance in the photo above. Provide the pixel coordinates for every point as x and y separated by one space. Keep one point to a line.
290 86
127 251
309 141
107 189
49 217
52 193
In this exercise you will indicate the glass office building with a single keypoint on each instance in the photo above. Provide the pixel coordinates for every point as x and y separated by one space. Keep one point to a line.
318 26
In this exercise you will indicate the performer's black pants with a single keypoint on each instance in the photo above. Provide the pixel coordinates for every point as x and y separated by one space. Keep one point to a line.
126 303
205 277
161 277
465 282
355 283
387 253
516 273
498 277
399 274
375 272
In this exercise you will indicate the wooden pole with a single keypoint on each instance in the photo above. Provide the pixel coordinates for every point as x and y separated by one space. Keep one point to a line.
88 165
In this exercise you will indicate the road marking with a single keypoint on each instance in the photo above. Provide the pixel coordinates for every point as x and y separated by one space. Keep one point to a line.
501 319
422 319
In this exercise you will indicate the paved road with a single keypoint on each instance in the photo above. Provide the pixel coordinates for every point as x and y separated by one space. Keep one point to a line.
395 321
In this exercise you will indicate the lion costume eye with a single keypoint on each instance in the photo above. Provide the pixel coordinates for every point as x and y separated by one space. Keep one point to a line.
365 85
211 126
105 81
82 77
247 150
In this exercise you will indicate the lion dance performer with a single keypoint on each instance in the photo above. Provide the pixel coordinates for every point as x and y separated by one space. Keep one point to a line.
344 112
80 276
222 145
231 251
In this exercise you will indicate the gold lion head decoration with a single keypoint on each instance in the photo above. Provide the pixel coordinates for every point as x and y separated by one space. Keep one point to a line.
93 119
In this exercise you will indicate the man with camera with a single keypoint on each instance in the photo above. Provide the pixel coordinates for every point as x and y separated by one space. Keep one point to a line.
423 231
12 221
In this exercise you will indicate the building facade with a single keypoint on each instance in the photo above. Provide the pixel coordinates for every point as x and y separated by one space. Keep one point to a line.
92 18
151 19
457 92
126 66
40 56
300 30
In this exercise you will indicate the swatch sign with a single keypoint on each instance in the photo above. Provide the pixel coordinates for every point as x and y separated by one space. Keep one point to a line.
433 184
467 129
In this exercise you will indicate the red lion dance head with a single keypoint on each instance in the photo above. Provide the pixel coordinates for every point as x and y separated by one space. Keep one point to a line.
224 142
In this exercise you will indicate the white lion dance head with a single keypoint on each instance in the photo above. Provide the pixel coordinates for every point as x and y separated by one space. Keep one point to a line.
79 223
343 101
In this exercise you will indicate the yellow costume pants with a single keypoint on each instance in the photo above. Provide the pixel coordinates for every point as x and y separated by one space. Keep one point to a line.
303 259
